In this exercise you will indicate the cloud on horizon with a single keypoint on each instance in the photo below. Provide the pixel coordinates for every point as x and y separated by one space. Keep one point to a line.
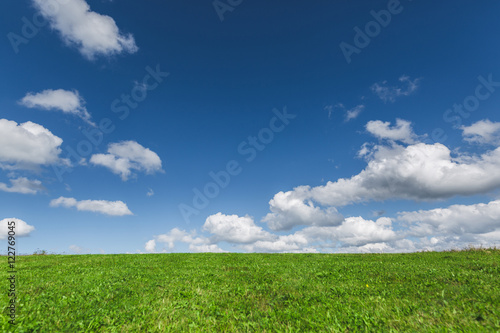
436 229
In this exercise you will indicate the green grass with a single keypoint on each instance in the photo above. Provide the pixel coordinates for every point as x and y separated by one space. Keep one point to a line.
428 292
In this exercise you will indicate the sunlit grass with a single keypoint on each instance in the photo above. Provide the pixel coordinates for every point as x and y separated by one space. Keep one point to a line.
446 291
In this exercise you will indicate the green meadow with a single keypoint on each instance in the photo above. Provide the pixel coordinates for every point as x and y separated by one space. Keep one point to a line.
417 292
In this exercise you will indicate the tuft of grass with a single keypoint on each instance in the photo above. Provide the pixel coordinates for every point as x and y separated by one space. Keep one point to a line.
454 291
39 252
473 248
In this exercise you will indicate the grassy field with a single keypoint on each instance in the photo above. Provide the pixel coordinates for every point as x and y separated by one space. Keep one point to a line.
428 292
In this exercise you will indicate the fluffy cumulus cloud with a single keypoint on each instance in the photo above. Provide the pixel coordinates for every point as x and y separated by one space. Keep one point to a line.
240 232
401 131
482 132
92 33
27 145
354 231
62 100
234 229
290 209
213 248
169 240
22 228
391 93
244 235
293 243
22 185
437 229
150 246
455 220
415 172
178 235
418 172
123 157
113 208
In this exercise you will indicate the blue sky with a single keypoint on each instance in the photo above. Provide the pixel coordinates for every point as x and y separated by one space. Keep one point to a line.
332 127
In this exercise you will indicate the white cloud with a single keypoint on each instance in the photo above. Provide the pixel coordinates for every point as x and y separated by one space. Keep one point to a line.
455 227
390 93
354 112
125 156
234 229
21 228
196 244
63 100
489 237
150 246
370 248
354 231
483 131
293 243
113 208
150 192
27 145
213 248
455 220
418 172
22 185
290 209
175 235
402 131
92 33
